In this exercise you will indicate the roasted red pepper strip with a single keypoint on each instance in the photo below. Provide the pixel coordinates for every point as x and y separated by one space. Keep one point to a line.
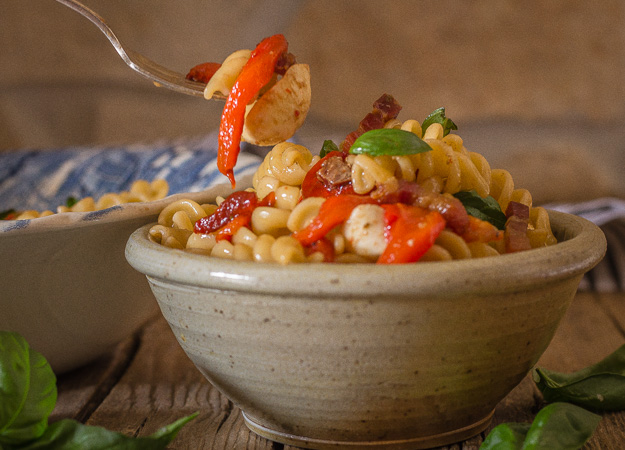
203 72
313 187
256 73
481 231
334 211
237 204
410 232
229 229
323 246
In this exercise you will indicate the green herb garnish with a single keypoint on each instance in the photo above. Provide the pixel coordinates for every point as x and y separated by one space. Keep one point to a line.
28 395
557 426
484 208
389 141
71 201
327 147
438 116
6 214
600 387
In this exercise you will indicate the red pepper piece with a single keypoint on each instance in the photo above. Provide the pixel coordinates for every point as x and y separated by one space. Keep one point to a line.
323 246
481 231
410 232
268 200
313 187
334 211
229 229
236 204
203 72
256 73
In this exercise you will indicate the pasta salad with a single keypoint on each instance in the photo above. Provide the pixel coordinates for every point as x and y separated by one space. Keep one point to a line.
392 192
140 191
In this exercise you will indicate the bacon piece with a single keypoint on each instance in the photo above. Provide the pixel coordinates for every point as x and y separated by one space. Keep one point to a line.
285 61
384 109
203 72
334 171
515 234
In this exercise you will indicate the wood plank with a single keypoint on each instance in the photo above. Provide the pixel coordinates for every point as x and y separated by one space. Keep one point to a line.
614 304
82 390
162 385
588 333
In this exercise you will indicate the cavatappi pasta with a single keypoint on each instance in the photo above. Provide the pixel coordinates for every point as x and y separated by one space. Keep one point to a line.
140 191
295 198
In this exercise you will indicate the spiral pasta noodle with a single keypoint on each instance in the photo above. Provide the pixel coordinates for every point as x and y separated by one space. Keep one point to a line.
286 164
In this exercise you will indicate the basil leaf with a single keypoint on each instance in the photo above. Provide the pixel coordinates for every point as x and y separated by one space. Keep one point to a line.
506 436
438 116
389 141
561 426
27 390
556 426
71 201
68 434
483 208
327 147
600 387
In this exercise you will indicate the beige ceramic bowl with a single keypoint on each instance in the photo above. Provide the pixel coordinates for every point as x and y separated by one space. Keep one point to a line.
350 356
66 286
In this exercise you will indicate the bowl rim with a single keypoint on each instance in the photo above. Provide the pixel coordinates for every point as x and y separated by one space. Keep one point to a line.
125 211
581 246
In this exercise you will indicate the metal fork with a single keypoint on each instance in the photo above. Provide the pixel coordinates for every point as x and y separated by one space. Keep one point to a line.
159 75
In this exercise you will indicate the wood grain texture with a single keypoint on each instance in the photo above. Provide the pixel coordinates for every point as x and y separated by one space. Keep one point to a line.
148 382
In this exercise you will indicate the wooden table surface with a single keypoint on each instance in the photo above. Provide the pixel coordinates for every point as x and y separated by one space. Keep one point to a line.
147 382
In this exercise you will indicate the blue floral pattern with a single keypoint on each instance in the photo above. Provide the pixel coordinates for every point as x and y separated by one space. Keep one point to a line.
44 179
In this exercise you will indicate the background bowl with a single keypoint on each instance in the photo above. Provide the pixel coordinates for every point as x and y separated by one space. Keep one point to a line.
66 286
331 356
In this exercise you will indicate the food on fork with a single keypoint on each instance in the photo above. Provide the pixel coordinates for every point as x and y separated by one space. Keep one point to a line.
268 97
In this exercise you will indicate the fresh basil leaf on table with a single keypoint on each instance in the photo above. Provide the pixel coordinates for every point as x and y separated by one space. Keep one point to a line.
28 395
438 116
600 387
389 141
71 435
27 391
487 208
557 426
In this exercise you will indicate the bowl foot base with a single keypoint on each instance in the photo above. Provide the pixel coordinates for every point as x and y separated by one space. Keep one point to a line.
421 442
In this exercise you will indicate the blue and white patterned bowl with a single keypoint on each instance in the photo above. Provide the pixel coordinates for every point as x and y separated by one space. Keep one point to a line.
65 284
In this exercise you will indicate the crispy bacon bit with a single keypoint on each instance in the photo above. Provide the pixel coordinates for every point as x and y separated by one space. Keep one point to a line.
384 109
519 210
285 61
334 171
203 72
515 234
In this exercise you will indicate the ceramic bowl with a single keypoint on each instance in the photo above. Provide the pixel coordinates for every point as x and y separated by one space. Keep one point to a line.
66 286
350 356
